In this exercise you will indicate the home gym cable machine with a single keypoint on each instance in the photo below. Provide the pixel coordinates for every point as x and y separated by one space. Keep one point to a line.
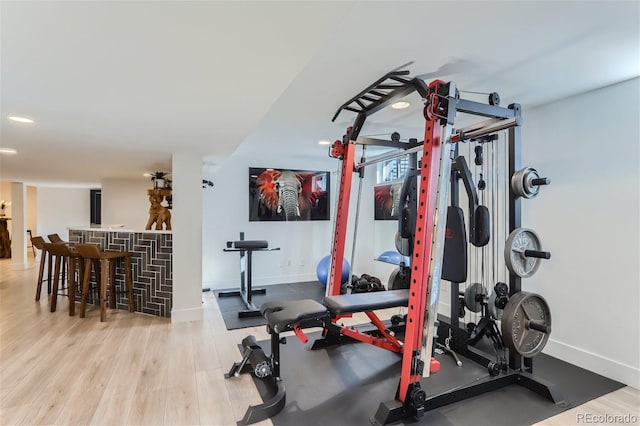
526 316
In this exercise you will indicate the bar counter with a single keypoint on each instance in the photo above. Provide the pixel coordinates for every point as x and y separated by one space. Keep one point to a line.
151 265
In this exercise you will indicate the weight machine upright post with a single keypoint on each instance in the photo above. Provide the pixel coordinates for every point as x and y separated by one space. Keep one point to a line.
243 269
455 287
515 214
342 213
355 225
423 252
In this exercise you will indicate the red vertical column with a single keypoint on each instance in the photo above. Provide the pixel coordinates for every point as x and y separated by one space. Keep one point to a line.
424 233
342 216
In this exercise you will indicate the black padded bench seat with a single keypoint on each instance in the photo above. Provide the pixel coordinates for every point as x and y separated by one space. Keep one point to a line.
285 314
363 302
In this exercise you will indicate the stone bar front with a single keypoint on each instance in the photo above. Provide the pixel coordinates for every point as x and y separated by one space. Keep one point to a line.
151 265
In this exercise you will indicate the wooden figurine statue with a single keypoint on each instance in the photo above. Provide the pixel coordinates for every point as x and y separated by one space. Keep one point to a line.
158 214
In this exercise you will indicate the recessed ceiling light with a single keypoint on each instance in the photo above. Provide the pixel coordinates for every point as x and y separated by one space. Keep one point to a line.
324 143
20 119
401 105
7 151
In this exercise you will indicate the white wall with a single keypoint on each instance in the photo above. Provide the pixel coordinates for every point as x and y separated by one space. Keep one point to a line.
125 202
60 208
32 210
302 244
588 220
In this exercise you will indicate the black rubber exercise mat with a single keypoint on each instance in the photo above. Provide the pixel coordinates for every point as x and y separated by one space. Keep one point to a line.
230 305
344 386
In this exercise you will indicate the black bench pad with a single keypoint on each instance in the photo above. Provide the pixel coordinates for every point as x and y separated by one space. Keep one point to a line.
363 302
285 314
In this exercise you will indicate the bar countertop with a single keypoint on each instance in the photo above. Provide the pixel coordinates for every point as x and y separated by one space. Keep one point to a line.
115 228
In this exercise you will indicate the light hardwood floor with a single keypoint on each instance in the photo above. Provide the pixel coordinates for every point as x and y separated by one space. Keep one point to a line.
139 369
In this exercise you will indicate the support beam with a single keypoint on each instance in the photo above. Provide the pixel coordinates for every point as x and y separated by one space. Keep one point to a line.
18 225
187 237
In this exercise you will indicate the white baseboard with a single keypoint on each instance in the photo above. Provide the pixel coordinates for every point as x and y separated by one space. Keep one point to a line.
607 367
583 358
190 314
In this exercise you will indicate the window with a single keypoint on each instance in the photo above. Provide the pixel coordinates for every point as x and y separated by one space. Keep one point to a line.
394 169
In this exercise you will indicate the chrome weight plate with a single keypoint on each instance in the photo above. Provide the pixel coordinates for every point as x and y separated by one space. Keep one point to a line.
522 182
526 323
474 297
519 241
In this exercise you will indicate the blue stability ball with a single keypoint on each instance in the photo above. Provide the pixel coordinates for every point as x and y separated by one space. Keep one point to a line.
322 271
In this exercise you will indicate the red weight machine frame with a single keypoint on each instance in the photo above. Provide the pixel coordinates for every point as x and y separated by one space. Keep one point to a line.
409 393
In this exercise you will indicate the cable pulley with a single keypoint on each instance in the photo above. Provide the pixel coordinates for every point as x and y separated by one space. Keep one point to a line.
498 300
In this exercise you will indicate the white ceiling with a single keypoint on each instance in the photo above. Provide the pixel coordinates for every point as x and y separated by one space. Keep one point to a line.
116 87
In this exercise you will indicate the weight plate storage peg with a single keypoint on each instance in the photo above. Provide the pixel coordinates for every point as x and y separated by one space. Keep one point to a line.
526 323
523 251
526 182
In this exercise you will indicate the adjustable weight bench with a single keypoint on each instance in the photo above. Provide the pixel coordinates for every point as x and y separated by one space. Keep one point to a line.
296 315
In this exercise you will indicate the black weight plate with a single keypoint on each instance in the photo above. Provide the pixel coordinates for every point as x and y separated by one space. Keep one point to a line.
522 308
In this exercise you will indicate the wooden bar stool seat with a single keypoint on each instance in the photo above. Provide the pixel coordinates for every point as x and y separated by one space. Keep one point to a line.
38 243
107 260
55 238
60 253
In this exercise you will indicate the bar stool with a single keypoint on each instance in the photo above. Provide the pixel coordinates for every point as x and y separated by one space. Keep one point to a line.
33 248
38 242
55 238
60 252
91 253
